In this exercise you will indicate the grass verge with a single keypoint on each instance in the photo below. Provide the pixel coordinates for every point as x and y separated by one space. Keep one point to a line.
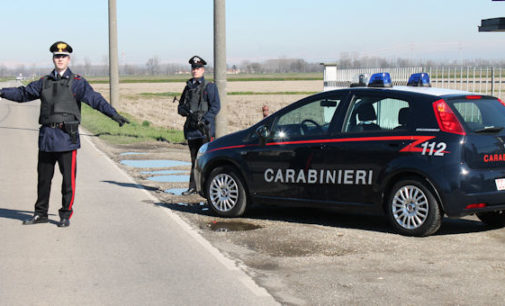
135 132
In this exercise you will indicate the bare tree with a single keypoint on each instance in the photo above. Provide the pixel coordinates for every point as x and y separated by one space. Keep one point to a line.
153 65
87 66
105 60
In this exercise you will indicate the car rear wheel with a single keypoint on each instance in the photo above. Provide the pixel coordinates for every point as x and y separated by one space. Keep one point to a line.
412 208
495 218
225 192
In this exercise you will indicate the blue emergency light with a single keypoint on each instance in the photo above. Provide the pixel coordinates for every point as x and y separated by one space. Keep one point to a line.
381 79
420 79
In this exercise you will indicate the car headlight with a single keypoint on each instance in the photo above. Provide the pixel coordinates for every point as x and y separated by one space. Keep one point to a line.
202 150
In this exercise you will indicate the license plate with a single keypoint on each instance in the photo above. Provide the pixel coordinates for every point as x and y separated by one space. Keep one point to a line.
500 183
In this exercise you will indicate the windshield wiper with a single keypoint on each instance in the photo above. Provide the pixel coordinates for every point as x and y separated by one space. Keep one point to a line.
490 129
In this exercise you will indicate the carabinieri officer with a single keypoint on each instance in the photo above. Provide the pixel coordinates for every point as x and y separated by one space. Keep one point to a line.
60 93
199 104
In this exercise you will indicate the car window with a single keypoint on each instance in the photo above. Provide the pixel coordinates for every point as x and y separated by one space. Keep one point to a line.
368 113
309 119
479 114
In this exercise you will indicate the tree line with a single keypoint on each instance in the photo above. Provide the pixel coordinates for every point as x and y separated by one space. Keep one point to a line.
154 66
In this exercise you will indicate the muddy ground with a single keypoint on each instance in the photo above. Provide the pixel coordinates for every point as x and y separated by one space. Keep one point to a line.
320 257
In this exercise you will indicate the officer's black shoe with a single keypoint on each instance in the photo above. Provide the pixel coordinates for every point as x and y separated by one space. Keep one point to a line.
36 219
190 191
64 223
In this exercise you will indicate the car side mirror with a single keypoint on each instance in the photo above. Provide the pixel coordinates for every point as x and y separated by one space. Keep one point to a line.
263 132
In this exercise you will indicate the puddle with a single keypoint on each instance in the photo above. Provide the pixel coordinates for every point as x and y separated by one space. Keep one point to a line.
176 191
169 178
164 172
132 153
232 226
154 163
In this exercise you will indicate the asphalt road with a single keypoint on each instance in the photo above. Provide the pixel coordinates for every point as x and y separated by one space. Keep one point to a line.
119 250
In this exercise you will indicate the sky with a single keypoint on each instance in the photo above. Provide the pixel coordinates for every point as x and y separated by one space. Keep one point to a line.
256 30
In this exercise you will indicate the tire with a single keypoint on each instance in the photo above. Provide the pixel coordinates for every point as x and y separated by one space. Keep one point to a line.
226 193
413 209
494 218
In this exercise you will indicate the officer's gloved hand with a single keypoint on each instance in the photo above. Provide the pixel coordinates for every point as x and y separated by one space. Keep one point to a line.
184 110
203 123
120 119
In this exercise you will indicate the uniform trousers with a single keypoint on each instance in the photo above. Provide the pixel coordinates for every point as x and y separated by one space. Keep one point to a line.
194 145
45 169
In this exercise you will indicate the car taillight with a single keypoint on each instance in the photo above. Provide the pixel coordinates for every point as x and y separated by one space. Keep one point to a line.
446 118
476 205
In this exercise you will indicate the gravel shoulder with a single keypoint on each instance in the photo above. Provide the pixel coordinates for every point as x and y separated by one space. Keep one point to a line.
321 257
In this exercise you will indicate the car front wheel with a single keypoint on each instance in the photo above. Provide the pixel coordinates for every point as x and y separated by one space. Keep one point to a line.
226 193
412 208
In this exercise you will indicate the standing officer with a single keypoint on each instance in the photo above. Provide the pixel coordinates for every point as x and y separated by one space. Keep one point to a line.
60 93
199 104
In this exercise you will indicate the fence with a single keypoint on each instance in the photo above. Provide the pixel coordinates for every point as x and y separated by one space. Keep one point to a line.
483 80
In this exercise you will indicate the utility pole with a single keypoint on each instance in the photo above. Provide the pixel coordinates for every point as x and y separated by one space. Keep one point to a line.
220 64
113 55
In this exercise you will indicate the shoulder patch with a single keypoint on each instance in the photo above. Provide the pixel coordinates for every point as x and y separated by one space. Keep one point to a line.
77 77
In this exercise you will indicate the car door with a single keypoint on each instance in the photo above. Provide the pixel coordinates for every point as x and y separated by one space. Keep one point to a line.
374 130
286 164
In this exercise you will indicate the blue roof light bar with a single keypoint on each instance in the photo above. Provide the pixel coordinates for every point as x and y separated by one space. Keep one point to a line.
382 79
421 79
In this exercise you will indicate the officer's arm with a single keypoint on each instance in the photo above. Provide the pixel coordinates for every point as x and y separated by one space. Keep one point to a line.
23 93
85 93
182 108
214 102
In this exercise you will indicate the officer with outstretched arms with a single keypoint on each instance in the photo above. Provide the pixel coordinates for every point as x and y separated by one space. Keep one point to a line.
61 93
199 104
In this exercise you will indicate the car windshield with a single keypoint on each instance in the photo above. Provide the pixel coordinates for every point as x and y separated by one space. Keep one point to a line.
481 115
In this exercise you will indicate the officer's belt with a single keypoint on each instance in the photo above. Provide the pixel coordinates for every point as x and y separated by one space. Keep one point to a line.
54 125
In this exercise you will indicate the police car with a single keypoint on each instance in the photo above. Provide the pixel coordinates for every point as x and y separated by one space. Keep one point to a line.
414 153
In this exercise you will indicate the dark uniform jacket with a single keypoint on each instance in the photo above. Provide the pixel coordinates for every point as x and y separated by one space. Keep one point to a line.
55 139
211 96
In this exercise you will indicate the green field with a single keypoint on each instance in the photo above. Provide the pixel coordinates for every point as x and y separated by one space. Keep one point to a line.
135 132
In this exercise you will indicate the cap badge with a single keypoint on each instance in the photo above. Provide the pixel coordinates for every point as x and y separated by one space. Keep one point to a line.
61 46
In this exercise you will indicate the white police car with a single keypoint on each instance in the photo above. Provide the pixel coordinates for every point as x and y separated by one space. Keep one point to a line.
414 153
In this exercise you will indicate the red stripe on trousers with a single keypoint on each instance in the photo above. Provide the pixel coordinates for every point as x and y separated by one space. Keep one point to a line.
74 154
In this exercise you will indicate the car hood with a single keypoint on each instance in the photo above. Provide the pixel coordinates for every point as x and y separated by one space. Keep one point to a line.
234 139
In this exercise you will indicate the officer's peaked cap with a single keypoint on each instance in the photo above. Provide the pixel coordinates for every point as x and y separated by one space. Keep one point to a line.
60 47
197 62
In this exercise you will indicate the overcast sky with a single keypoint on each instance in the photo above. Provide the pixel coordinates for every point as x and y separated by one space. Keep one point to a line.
317 30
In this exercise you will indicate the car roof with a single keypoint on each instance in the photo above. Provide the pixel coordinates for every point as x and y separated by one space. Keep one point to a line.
427 91
432 91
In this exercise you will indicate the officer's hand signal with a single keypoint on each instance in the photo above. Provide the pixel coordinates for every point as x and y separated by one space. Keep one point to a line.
120 119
